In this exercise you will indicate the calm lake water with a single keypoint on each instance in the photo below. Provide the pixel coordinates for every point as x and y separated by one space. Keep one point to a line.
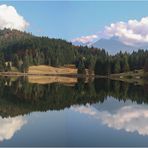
98 113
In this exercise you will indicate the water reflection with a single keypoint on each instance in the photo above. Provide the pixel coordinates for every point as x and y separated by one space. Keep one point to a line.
93 98
22 97
131 118
9 126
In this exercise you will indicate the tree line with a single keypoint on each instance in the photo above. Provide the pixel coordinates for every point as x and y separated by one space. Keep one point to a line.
122 62
21 50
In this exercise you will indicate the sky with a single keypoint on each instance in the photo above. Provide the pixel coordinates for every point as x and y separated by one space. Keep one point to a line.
79 20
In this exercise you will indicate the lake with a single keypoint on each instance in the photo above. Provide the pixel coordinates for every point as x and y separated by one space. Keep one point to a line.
97 112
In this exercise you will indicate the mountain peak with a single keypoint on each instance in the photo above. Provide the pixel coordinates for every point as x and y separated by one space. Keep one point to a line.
113 45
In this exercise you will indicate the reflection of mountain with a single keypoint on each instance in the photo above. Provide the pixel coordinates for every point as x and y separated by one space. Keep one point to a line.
131 118
9 126
111 105
22 97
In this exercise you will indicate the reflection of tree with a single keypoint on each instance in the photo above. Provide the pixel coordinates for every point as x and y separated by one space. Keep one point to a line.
101 87
22 97
122 91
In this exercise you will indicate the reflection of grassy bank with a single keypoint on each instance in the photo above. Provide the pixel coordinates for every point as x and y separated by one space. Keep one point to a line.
52 79
71 80
43 74
20 97
28 97
131 80
137 77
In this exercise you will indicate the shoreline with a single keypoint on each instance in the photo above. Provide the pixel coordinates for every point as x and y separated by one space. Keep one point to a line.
31 74
137 81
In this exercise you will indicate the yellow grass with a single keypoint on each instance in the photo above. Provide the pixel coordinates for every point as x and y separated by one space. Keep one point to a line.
43 69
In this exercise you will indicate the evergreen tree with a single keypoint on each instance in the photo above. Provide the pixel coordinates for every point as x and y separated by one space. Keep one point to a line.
81 67
99 67
107 67
146 66
2 62
9 67
15 61
117 67
89 65
25 64
125 64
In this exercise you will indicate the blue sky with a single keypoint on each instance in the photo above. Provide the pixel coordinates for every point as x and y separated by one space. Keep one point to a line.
70 20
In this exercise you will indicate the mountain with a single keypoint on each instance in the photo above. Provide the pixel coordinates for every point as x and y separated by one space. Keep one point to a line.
113 45
7 35
37 50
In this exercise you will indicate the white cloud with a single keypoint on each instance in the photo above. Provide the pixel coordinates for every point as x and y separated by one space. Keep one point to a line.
132 118
9 126
133 32
85 39
9 18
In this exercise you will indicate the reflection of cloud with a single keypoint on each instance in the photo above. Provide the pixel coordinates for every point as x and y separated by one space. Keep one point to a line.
84 109
130 118
9 126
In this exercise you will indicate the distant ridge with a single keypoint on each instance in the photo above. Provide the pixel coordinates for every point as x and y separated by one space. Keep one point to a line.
113 45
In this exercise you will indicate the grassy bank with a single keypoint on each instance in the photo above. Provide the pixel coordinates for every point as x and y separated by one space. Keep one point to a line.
40 73
44 70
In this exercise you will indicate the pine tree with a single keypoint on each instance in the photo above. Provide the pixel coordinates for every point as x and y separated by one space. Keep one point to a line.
99 67
2 62
90 67
125 64
9 67
81 67
107 67
146 66
25 64
117 67
15 61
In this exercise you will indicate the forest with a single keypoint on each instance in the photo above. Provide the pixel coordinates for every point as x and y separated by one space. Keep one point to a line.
24 49
122 62
21 50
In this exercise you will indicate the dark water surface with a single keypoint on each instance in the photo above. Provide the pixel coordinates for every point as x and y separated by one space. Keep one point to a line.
98 113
